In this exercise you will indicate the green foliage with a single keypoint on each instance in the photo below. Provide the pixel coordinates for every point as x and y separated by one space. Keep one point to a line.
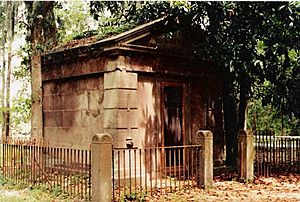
128 11
36 193
134 196
73 21
22 72
2 180
108 31
268 117
56 191
21 114
21 109
2 14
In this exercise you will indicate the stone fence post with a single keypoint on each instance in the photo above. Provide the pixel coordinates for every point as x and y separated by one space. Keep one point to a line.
205 139
246 155
101 168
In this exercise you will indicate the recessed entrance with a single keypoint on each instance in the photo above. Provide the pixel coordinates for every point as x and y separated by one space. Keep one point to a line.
173 122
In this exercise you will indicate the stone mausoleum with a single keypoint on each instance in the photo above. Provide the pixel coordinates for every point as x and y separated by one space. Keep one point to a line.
141 87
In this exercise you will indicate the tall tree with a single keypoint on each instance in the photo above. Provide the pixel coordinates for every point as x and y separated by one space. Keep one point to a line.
11 9
42 36
3 69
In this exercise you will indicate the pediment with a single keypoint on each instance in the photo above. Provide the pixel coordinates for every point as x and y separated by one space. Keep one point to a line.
158 35
167 39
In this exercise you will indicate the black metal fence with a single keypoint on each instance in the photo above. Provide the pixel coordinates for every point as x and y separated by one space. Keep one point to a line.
31 162
276 154
154 171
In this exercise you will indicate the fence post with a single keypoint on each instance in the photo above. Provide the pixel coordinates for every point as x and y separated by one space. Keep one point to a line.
205 139
246 155
101 168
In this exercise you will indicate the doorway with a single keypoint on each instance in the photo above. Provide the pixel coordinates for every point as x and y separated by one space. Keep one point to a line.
173 125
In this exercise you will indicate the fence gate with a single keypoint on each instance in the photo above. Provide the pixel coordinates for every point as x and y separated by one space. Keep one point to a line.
276 154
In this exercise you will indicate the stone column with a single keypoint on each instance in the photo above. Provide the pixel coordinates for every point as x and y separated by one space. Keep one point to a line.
121 105
205 139
246 155
101 168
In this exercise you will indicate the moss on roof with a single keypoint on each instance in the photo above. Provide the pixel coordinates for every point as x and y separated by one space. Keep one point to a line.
92 36
104 32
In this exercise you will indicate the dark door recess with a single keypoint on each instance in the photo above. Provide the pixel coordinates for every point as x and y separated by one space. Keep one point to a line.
173 122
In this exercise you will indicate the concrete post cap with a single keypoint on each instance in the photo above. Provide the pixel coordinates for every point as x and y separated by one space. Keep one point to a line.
102 138
204 134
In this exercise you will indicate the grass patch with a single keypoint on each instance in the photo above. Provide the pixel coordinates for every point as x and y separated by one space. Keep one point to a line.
10 192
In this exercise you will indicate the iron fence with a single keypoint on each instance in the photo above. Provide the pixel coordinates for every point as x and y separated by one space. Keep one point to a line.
154 171
63 170
276 154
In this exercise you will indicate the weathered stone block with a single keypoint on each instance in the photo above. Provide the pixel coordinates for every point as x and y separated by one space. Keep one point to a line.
71 118
120 98
120 79
55 102
71 86
120 118
82 98
116 63
53 118
74 137
48 88
110 118
53 73
81 85
70 101
95 99
94 83
46 103
68 69
91 118
144 63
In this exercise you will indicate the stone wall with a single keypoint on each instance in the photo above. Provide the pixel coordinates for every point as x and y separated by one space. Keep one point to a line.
73 111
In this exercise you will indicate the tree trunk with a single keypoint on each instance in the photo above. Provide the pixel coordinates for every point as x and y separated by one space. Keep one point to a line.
243 102
11 33
42 29
8 33
3 82
230 121
36 76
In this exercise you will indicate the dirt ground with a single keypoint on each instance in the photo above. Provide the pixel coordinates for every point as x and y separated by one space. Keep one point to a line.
281 188
225 188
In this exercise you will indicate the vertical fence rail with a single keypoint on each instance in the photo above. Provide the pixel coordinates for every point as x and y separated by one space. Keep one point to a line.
276 154
154 171
32 162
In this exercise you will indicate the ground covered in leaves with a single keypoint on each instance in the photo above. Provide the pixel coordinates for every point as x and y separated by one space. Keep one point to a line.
225 188
280 188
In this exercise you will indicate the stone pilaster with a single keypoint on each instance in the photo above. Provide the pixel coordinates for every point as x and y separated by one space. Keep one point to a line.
121 105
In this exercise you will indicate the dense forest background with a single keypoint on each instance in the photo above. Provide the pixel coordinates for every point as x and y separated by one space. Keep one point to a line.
255 45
